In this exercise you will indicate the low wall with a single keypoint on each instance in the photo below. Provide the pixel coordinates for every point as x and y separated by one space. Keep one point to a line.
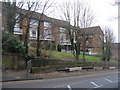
12 62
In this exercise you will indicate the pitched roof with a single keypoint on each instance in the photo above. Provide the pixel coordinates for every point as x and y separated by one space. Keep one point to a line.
58 22
91 30
36 15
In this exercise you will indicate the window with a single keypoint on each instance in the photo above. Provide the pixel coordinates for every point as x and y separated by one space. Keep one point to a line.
33 32
47 34
33 22
17 27
62 34
33 28
17 16
62 29
87 42
47 24
90 36
62 37
47 30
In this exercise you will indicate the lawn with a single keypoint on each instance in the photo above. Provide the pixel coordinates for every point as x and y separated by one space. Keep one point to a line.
70 56
91 58
63 55
58 55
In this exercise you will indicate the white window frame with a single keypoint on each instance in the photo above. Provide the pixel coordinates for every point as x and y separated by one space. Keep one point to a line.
17 28
33 22
62 35
47 34
47 29
47 24
31 34
62 29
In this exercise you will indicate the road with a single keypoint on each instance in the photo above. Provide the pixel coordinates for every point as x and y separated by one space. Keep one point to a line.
106 79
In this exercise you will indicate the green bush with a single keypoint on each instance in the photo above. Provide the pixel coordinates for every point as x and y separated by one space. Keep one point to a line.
59 47
11 44
53 46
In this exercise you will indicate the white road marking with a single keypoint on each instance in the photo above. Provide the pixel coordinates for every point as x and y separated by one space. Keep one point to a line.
59 86
94 83
96 86
108 80
69 87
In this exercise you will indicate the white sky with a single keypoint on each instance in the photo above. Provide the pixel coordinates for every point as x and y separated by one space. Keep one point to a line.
105 14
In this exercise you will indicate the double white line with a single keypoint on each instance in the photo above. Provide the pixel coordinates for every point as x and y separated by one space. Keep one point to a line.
96 86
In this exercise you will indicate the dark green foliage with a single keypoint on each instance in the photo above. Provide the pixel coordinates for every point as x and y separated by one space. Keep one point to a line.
107 45
29 57
53 46
107 52
10 15
47 46
59 47
11 44
50 46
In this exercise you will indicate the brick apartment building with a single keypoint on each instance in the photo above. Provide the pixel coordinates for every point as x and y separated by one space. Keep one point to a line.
54 30
94 40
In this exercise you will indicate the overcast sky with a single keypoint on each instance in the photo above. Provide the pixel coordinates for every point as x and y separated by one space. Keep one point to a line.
105 12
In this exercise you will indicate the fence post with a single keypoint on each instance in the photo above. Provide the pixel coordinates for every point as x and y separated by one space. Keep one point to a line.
29 67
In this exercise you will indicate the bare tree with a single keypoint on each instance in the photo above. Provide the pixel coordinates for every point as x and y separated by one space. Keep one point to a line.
78 14
86 20
108 40
67 11
10 10
32 6
44 7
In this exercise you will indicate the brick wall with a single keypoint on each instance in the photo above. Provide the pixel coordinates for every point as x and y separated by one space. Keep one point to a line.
97 41
56 34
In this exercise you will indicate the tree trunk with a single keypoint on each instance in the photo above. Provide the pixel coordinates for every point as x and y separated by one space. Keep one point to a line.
83 54
84 48
27 37
38 40
26 40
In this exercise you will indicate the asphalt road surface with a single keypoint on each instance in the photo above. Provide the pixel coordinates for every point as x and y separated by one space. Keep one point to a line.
105 79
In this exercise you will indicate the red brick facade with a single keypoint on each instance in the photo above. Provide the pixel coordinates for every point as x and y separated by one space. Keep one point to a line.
94 40
94 43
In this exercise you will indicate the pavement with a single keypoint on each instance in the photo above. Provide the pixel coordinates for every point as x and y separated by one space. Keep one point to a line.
10 75
91 81
22 75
